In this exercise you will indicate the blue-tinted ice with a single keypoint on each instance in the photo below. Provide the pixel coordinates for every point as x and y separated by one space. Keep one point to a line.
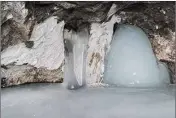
131 61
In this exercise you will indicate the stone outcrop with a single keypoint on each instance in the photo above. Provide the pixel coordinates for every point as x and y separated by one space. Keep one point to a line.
32 34
15 75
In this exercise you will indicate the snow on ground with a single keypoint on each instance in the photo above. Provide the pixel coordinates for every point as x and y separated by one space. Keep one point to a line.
53 101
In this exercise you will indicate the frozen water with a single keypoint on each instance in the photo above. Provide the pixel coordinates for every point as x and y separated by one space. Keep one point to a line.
75 58
54 101
131 61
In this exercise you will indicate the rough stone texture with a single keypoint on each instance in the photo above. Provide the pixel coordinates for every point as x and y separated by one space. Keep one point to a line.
166 52
14 29
15 75
13 10
155 18
164 49
73 13
48 49
99 43
44 53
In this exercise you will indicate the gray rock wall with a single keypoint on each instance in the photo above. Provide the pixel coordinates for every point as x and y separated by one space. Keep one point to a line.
32 35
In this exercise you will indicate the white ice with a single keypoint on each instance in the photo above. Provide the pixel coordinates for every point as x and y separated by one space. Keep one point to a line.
75 58
54 101
131 61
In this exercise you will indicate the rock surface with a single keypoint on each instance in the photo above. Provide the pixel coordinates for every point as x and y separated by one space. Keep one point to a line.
43 55
15 75
47 51
98 46
14 29
19 31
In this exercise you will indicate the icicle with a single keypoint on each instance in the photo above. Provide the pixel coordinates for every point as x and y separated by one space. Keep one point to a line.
75 58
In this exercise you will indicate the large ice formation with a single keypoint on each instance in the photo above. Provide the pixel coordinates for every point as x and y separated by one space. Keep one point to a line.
131 61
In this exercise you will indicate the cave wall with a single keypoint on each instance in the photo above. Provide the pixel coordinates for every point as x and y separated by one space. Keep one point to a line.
32 36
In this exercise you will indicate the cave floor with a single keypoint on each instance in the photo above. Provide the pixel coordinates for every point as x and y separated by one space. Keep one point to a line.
53 101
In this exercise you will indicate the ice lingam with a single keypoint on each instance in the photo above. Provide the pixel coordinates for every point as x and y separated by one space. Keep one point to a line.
131 61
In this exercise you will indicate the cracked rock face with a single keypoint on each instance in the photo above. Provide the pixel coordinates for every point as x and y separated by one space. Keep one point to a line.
13 27
38 60
98 46
15 75
47 50
32 34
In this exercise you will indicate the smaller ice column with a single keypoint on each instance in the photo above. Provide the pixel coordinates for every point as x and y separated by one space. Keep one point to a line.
75 58
131 61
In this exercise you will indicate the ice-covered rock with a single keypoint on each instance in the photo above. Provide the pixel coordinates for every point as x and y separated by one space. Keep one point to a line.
131 61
